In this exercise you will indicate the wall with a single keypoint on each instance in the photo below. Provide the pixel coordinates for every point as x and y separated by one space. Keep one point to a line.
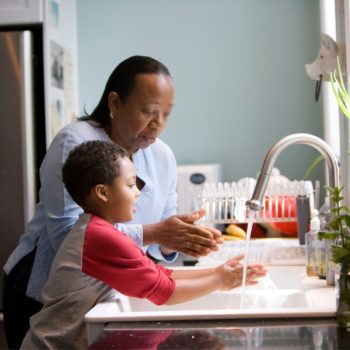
60 60
238 69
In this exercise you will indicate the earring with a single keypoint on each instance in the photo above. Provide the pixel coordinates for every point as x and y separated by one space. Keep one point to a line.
111 115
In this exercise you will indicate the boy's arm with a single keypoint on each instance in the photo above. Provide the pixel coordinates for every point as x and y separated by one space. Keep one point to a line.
191 284
194 273
191 273
188 289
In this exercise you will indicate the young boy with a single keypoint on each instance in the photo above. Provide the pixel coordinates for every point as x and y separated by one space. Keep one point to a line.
95 259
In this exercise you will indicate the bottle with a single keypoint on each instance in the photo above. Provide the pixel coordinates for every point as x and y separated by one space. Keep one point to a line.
312 245
322 259
325 215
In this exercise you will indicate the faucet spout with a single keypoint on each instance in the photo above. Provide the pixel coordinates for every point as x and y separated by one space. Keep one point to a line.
332 178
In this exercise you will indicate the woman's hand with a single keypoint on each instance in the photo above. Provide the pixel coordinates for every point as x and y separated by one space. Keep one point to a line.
179 233
231 273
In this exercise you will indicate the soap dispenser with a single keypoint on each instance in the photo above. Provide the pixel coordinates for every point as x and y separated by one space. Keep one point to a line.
312 245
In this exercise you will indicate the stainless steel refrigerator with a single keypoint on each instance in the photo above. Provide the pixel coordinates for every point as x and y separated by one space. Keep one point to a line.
22 131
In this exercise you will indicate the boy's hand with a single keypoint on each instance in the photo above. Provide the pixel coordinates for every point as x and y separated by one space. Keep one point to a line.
231 273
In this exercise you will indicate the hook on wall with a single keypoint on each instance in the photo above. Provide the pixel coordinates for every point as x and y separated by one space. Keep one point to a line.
326 62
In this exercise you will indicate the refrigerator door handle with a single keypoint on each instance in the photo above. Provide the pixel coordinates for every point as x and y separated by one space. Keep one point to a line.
27 125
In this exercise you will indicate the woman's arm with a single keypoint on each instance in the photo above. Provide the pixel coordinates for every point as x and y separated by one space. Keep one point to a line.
179 233
61 212
173 233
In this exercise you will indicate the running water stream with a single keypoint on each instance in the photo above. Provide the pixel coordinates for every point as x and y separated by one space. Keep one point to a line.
246 254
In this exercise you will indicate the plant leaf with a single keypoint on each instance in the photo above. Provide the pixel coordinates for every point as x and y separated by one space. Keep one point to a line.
312 167
339 90
328 235
340 254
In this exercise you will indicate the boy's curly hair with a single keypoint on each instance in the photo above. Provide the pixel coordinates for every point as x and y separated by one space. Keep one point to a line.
89 164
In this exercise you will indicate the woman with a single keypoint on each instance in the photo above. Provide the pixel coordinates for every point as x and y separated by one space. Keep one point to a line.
132 112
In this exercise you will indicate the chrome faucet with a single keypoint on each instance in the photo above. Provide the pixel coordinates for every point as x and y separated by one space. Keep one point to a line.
332 176
255 203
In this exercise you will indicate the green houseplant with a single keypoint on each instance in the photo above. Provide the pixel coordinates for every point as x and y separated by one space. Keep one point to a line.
339 234
340 223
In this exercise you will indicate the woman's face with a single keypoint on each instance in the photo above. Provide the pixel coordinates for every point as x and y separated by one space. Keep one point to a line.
140 119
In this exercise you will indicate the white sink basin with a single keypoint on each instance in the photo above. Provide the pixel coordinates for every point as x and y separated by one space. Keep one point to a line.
284 293
285 298
277 290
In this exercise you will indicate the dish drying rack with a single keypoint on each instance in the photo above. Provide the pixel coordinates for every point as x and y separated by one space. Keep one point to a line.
225 202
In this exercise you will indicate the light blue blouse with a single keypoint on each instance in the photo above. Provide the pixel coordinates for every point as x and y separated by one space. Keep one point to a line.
56 212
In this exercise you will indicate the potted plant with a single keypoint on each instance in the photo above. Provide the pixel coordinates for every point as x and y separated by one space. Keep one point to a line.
339 234
340 224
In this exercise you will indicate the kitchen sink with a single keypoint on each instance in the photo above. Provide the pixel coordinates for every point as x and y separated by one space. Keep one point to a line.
284 298
276 290
285 292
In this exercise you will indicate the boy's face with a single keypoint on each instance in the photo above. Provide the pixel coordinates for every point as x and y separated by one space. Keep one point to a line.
122 194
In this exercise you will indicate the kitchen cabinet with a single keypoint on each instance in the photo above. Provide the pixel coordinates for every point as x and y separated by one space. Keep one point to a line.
21 11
